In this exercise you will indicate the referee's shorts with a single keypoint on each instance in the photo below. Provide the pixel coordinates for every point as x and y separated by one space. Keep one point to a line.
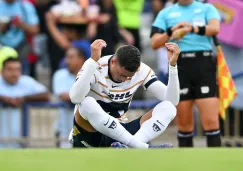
197 75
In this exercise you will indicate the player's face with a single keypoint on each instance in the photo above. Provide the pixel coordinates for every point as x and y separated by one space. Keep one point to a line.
73 60
11 72
120 74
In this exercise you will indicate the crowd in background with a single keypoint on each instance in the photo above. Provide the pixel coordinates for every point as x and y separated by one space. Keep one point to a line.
57 35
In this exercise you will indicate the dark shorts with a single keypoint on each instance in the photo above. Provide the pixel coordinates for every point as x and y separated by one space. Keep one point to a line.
83 139
197 75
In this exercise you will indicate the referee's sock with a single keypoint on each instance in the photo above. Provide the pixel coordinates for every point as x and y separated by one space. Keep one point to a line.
185 139
213 138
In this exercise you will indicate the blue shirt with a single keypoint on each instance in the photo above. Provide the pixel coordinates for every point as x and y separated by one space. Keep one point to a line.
24 87
26 11
63 81
198 14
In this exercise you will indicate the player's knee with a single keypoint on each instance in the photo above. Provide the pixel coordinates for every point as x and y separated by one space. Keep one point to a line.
210 124
167 107
165 111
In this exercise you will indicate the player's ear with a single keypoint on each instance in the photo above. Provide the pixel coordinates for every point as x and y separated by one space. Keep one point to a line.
113 60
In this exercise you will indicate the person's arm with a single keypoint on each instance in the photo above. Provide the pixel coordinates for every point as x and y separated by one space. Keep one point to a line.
5 100
82 86
37 97
31 23
57 35
171 92
213 22
65 97
29 29
211 29
159 32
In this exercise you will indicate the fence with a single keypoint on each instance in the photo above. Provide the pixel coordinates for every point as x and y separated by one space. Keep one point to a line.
48 124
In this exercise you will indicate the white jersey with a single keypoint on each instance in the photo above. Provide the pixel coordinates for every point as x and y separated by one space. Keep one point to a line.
114 97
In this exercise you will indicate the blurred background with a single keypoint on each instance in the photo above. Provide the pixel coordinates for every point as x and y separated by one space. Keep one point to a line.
51 39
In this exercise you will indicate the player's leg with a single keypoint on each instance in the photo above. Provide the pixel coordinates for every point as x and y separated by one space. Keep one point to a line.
209 114
156 121
185 123
207 101
91 111
184 118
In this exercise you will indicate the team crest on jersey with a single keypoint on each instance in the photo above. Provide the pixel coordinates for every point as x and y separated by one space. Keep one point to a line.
119 96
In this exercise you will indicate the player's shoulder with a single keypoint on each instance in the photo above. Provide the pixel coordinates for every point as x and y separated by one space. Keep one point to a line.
208 5
144 69
103 62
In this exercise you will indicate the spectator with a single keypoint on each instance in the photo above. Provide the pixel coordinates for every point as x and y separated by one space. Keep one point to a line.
6 52
107 28
75 58
69 34
129 18
162 60
17 18
191 24
15 90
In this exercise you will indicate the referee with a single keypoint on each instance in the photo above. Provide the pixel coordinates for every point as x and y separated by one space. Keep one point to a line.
191 25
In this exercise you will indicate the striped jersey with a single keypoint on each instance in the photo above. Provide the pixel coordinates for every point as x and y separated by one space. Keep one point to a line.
113 97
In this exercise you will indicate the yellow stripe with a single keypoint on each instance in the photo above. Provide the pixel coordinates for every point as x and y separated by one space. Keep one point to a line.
95 78
148 74
127 88
102 84
103 96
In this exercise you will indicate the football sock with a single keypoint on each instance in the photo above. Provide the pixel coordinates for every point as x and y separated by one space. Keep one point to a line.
162 115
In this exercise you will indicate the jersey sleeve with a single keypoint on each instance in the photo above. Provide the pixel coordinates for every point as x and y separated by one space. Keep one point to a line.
160 21
150 78
30 11
212 13
93 79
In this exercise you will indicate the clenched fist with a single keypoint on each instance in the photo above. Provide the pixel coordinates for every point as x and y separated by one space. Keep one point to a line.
173 52
96 48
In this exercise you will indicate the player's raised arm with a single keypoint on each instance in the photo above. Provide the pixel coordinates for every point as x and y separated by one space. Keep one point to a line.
82 86
171 92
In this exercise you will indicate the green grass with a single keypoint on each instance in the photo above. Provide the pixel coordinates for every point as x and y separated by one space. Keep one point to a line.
122 160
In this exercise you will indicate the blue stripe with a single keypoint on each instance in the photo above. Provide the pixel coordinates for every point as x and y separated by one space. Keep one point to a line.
150 82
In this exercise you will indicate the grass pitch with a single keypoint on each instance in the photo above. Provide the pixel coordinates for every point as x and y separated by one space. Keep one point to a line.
122 160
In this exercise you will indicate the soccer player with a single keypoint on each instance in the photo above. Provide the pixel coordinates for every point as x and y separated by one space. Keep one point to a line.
104 90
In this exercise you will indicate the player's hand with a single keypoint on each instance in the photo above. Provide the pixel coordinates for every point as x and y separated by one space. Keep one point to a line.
96 48
180 33
180 25
173 52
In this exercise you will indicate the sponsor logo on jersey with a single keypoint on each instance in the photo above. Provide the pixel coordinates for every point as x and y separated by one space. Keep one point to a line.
119 96
114 86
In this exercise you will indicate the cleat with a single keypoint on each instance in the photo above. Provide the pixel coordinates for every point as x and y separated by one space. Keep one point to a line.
118 145
166 145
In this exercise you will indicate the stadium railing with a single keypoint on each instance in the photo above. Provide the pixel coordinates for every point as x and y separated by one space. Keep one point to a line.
35 124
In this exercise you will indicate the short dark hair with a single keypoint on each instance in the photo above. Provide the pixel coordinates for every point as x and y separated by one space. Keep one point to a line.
129 57
10 59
